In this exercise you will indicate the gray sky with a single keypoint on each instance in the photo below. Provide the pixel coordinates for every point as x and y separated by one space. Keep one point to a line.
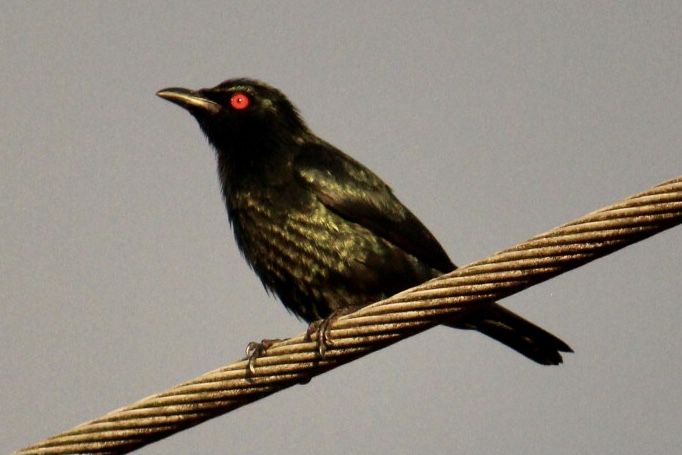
119 276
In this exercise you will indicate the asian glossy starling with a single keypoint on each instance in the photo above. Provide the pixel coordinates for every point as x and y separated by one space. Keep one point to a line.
323 232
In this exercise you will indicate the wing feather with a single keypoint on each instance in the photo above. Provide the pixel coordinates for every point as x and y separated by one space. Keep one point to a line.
355 193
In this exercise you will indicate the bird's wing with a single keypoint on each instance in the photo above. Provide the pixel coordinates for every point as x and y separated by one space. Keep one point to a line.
354 192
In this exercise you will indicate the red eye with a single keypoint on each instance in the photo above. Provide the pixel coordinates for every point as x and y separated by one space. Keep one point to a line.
240 100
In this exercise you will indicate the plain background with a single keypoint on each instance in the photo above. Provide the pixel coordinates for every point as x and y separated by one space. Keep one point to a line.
493 121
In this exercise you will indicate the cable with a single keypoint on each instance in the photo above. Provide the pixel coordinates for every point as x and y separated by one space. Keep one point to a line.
447 297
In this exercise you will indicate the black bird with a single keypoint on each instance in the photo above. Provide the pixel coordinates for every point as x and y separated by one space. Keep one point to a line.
323 232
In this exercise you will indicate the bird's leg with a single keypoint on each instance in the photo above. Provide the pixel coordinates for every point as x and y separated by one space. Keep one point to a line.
255 350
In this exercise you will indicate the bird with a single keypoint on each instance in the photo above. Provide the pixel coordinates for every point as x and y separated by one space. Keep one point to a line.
323 232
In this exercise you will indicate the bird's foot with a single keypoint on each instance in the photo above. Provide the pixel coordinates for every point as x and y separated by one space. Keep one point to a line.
255 350
322 327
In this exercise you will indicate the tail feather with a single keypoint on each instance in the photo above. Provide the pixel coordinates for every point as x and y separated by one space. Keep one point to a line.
519 334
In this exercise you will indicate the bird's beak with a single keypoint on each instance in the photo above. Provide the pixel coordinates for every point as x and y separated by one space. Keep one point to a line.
189 99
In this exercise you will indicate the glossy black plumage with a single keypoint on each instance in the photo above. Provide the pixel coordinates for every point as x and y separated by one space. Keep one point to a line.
321 230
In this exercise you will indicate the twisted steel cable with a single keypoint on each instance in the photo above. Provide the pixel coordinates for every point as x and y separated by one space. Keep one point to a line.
447 297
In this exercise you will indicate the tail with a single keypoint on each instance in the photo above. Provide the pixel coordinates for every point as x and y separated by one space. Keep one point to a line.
523 336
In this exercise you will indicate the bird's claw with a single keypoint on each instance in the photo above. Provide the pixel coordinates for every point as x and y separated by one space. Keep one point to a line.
255 350
322 330
323 339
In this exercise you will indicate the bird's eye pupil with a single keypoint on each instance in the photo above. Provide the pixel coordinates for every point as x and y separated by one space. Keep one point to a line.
240 101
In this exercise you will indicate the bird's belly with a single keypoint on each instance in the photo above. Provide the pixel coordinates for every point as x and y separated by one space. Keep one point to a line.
317 262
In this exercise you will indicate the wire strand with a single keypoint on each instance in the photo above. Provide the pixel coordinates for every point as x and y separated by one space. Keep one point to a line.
447 297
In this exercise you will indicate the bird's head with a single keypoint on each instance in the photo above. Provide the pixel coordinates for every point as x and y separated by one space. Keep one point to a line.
239 114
